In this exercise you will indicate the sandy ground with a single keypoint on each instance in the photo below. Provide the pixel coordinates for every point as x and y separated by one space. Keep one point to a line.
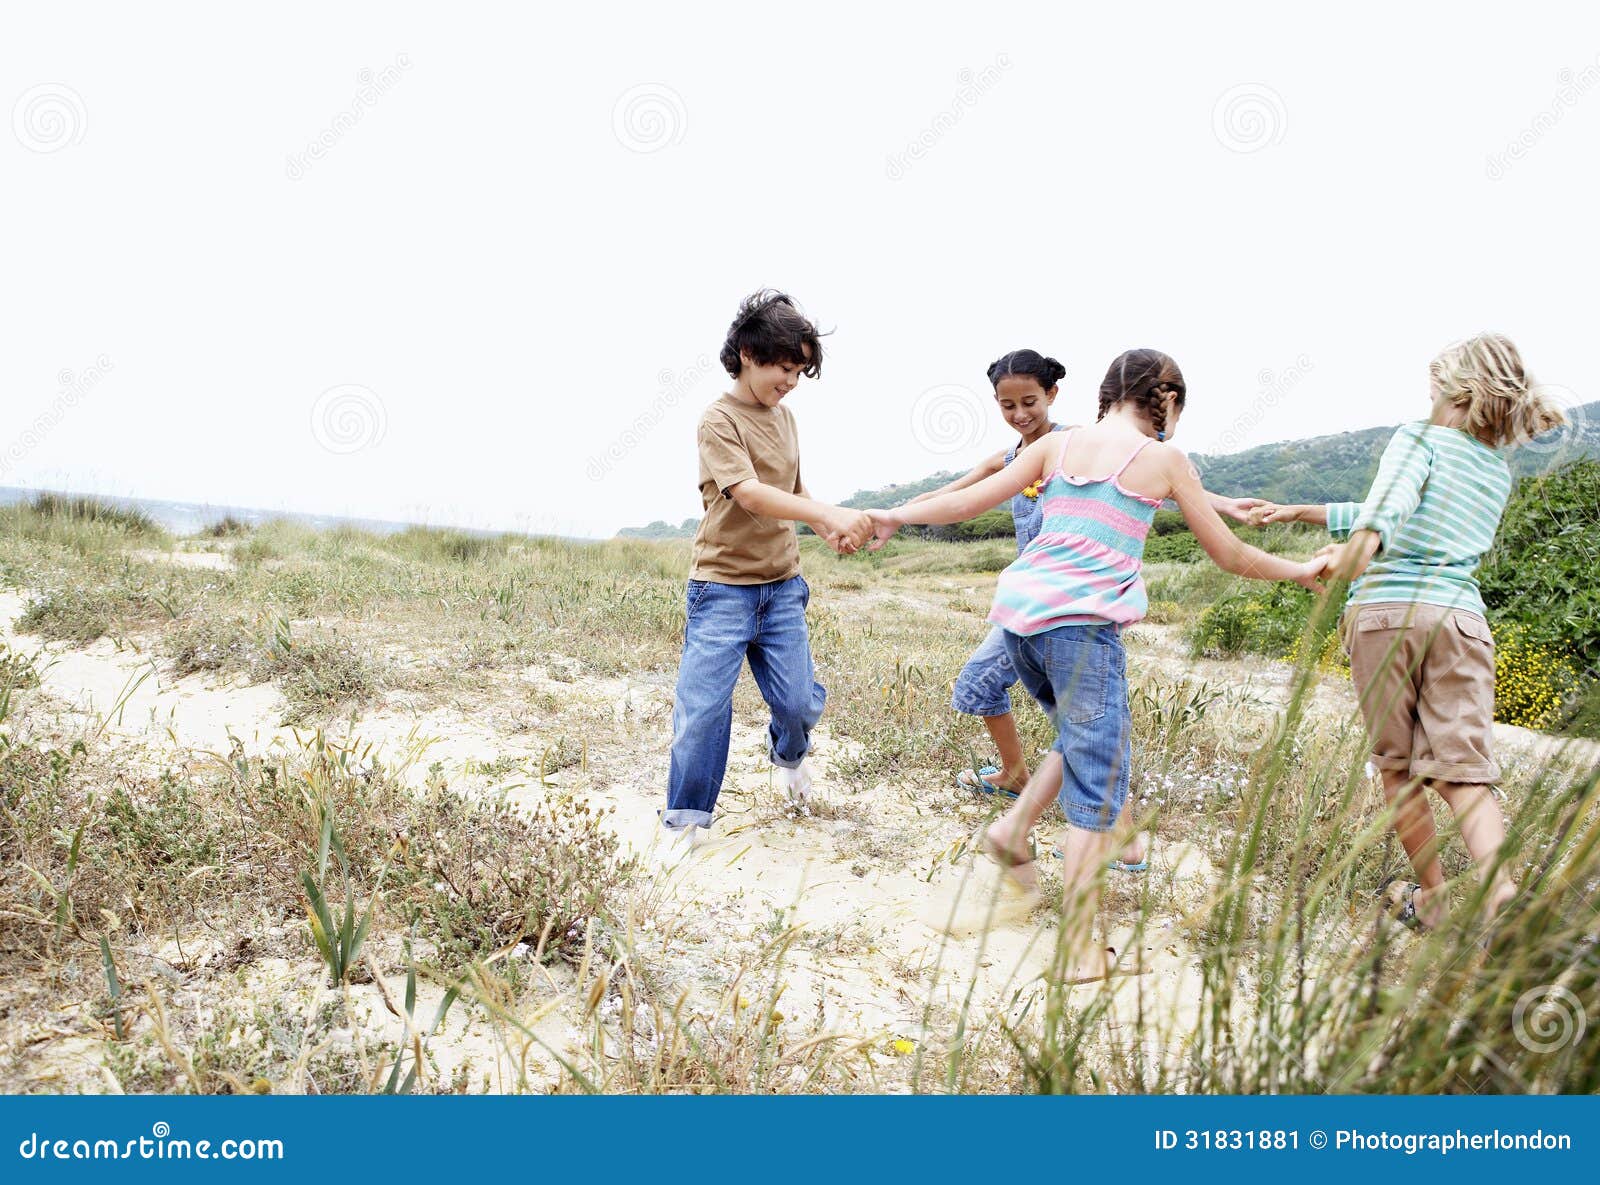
888 913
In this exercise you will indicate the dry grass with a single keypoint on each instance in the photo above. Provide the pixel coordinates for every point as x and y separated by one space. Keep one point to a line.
514 944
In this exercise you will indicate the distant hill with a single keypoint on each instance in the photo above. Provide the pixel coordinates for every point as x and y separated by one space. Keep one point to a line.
1336 468
661 529
1340 468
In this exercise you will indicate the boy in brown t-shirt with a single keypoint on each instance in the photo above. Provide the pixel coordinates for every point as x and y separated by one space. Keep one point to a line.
746 597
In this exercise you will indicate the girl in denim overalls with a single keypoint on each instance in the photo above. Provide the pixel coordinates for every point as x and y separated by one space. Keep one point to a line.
1065 601
1025 387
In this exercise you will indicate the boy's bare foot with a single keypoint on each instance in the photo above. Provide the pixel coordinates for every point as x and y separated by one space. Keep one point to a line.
797 783
672 845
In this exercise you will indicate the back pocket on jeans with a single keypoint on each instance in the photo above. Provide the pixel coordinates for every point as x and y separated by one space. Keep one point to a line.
1078 675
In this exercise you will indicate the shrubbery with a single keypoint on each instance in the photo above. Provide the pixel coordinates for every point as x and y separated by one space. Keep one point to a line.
1539 583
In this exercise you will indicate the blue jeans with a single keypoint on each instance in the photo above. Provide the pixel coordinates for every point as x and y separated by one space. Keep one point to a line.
981 687
1079 675
727 624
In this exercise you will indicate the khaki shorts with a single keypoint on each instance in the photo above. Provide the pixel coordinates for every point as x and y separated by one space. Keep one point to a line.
1425 675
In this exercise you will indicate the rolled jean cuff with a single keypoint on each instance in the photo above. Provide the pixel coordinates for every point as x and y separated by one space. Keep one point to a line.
680 819
1402 764
1474 773
781 763
984 708
1088 818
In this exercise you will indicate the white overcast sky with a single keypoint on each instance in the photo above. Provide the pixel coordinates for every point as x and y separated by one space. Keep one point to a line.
529 227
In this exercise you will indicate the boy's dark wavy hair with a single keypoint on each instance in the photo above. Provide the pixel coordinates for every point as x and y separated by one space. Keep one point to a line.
770 328
1143 378
1047 372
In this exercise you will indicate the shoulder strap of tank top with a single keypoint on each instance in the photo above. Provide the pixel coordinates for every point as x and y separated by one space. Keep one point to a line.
1139 448
1061 453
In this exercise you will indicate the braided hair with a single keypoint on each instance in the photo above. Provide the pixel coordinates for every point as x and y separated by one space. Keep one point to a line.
1144 378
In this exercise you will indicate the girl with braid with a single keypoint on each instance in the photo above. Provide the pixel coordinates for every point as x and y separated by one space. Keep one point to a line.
1064 604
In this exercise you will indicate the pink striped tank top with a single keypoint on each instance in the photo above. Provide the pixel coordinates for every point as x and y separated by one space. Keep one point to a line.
1083 568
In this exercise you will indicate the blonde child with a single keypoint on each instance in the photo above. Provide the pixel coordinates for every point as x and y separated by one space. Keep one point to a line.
1421 654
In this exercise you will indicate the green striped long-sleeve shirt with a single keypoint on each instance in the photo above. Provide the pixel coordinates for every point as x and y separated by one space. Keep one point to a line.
1435 504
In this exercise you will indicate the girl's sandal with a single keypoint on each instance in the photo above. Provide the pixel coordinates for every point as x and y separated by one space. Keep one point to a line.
1399 900
978 781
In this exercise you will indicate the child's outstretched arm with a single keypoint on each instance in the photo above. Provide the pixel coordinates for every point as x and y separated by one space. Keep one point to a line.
1227 550
843 529
984 468
962 504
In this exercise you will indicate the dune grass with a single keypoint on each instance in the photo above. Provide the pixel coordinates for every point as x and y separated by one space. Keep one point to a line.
1300 983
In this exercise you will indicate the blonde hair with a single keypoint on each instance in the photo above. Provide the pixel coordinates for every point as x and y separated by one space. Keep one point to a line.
1485 375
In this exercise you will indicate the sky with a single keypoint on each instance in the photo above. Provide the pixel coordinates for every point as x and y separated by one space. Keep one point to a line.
473 264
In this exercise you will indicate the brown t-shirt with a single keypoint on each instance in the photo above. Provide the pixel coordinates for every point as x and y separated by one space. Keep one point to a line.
745 442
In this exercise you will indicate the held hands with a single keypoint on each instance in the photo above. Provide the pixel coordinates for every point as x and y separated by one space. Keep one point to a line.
844 530
1243 509
885 523
1266 513
1313 570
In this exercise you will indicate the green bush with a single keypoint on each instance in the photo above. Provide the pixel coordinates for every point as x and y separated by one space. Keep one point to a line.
1269 621
1541 578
